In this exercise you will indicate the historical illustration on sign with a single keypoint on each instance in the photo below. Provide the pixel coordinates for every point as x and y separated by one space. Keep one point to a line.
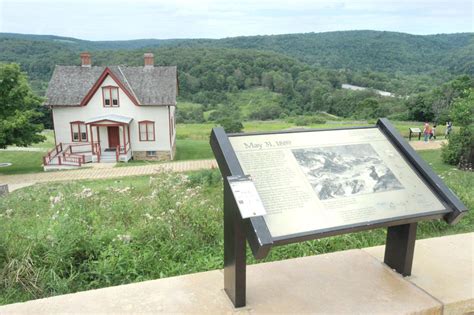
345 170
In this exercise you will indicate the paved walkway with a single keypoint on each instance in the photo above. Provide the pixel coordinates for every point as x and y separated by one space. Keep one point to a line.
18 181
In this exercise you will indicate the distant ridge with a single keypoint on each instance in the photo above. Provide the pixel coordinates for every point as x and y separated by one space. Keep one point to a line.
356 50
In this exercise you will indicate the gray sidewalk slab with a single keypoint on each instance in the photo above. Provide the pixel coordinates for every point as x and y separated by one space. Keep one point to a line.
348 282
443 267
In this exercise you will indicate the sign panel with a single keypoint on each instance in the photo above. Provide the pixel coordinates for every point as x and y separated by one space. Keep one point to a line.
246 196
318 180
415 129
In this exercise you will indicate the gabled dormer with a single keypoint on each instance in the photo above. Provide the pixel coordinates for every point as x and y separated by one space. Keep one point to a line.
110 91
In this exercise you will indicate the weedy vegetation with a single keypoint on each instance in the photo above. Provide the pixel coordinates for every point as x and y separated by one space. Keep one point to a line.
59 238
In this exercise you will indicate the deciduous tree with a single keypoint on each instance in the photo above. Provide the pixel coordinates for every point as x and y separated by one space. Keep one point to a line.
18 109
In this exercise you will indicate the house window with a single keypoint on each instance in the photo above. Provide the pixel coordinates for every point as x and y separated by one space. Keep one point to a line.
110 96
78 131
150 153
146 130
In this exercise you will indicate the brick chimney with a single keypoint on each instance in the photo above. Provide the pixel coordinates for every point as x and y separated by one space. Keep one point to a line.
85 59
148 57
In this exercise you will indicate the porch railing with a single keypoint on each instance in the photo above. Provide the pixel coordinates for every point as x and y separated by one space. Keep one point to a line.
51 154
73 160
80 147
66 154
98 151
122 150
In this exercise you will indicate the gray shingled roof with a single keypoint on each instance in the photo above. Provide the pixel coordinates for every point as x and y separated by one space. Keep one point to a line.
150 85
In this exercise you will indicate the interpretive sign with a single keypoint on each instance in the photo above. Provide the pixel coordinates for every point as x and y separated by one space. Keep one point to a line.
318 183
414 131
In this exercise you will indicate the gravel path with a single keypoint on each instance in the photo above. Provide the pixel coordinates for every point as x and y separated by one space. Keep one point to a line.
430 145
22 180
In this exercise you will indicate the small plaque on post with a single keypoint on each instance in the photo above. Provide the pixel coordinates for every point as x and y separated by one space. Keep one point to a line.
246 196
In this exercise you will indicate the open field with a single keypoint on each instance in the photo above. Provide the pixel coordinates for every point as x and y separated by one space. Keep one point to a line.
65 237
185 150
202 131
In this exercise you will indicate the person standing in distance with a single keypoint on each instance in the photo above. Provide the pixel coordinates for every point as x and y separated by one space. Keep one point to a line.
426 132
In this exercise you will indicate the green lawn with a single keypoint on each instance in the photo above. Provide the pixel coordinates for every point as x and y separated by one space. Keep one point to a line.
60 238
193 150
185 150
27 161
22 162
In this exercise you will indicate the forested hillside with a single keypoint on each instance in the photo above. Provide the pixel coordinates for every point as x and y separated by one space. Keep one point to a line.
370 50
355 50
303 71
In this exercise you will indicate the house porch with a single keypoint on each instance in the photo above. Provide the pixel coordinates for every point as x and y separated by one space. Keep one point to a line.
110 138
108 141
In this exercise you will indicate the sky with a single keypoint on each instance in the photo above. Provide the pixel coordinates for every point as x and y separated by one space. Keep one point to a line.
135 19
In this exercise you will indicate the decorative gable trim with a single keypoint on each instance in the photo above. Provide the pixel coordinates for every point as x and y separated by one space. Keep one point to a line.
98 83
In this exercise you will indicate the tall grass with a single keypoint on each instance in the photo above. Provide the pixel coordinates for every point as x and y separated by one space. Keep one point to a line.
67 237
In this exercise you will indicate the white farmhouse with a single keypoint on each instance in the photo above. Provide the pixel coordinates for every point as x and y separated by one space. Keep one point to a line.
114 113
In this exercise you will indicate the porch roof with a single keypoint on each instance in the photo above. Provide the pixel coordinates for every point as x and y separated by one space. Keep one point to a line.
112 117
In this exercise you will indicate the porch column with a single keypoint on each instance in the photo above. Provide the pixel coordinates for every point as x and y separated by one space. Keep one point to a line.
92 138
124 141
98 135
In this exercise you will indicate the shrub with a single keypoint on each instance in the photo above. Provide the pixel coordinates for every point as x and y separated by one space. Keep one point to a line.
366 109
205 177
230 125
461 145
403 116
308 120
224 111
192 114
266 112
